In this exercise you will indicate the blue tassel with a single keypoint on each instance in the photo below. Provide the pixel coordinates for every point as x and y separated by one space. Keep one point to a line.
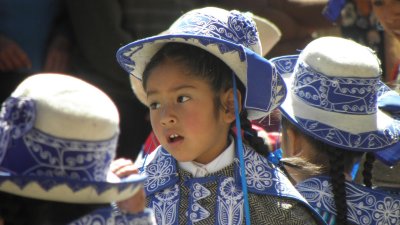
240 151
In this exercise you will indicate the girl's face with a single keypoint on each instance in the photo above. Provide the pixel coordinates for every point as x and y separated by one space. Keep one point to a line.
183 114
388 14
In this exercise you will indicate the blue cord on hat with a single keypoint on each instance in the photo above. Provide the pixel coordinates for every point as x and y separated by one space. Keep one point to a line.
240 151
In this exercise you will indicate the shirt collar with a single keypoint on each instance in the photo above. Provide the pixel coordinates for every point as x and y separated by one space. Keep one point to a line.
201 170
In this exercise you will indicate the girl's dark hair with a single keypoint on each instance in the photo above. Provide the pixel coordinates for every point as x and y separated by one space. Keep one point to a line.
205 66
16 210
340 161
367 172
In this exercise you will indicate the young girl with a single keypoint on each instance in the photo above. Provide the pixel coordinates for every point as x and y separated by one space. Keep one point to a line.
189 76
330 119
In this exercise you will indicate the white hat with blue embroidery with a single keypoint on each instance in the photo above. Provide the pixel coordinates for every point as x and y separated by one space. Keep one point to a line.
333 88
231 36
58 136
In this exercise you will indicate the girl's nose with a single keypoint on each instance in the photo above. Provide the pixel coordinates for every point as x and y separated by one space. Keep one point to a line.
168 121
168 118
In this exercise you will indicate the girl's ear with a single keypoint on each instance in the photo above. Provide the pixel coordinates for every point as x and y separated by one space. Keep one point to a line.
228 104
293 143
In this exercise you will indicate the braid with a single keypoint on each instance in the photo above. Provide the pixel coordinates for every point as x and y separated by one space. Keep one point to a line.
251 136
367 172
336 161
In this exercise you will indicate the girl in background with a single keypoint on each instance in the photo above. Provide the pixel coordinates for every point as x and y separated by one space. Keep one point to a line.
330 119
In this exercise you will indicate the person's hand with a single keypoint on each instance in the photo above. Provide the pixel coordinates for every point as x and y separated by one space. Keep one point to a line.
134 204
57 58
12 57
123 167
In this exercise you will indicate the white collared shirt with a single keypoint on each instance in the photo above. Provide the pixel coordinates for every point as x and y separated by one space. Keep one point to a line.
201 170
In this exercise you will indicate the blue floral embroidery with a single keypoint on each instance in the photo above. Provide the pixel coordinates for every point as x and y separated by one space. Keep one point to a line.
164 197
341 95
365 206
159 172
165 205
262 178
230 203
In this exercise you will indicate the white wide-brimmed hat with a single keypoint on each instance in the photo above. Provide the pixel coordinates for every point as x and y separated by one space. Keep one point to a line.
333 88
231 36
58 136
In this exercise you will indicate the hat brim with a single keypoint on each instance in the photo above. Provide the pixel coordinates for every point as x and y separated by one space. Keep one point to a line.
135 56
340 130
70 190
389 101
269 35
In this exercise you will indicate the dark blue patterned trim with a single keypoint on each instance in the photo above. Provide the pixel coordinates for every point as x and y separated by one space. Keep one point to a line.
367 141
231 36
40 154
48 183
340 95
125 55
365 205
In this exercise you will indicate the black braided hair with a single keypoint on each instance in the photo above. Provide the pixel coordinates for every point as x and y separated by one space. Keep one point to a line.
367 172
251 136
341 161
336 172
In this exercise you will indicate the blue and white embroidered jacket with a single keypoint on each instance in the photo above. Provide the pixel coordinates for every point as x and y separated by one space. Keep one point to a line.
178 198
365 205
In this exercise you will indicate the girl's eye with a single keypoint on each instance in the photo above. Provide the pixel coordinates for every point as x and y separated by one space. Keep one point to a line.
154 105
182 99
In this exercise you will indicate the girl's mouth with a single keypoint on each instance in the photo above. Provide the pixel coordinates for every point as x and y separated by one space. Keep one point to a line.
174 138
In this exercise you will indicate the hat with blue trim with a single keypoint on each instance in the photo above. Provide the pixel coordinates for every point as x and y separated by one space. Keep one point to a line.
231 36
334 86
58 136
